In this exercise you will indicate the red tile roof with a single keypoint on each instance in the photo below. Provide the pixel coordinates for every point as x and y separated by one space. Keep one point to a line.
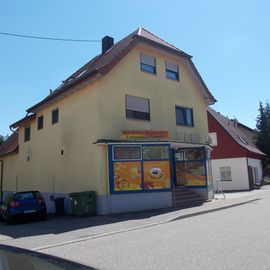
103 63
242 137
11 145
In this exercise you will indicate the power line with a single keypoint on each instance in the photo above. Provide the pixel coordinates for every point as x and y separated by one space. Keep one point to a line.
49 38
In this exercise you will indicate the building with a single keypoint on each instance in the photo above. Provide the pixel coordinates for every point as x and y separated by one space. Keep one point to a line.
236 161
130 125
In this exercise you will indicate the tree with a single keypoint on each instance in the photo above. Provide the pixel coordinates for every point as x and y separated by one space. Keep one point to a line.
3 138
263 131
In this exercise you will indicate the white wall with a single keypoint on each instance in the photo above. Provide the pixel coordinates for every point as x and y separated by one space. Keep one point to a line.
239 173
256 163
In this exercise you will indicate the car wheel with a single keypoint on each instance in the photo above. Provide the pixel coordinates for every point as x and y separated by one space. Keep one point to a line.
9 221
43 217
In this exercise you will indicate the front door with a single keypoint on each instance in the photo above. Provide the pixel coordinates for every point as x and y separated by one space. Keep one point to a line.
250 177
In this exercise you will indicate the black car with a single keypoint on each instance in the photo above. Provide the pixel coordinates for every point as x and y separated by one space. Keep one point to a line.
18 205
13 258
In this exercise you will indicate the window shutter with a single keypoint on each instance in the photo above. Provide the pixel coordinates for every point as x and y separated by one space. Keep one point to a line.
148 60
172 67
137 104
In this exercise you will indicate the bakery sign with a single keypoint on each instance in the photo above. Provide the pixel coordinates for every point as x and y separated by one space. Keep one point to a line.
144 135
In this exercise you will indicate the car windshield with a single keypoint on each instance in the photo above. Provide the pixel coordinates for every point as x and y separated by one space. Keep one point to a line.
24 196
15 258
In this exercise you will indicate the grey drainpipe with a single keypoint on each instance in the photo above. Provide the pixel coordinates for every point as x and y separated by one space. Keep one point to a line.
1 181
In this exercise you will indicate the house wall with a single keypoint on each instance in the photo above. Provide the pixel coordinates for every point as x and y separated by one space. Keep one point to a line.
10 163
226 146
239 173
98 111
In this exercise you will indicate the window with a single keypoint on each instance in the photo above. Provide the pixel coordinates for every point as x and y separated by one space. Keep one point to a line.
172 71
148 63
27 133
156 152
123 152
40 122
137 108
55 116
225 174
184 116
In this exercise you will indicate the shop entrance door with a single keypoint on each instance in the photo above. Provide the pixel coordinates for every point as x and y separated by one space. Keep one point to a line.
190 169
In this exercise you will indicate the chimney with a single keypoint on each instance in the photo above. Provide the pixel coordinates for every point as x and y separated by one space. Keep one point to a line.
107 43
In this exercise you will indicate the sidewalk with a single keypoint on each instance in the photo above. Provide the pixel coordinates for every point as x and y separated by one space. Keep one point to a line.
59 231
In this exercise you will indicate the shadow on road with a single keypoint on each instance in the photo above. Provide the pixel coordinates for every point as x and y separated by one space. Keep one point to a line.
67 223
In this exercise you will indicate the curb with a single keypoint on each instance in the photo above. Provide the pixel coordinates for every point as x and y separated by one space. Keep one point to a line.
183 216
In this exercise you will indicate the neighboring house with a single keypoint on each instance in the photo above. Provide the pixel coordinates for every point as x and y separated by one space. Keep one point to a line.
236 161
130 125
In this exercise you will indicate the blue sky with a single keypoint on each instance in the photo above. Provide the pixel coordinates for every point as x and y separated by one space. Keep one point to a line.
229 41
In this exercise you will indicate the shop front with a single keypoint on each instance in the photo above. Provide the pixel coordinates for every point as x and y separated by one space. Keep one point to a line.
143 174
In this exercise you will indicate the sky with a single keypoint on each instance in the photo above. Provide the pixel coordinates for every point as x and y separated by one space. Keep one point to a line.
229 42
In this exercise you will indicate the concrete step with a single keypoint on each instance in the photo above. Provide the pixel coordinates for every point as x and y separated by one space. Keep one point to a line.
184 197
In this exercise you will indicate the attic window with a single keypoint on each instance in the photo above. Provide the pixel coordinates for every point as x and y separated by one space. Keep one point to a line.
40 122
172 71
27 133
55 116
148 63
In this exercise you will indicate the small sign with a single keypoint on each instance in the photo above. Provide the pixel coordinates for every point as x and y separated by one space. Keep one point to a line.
144 134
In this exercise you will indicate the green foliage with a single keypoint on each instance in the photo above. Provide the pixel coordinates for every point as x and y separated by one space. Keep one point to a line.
3 138
263 132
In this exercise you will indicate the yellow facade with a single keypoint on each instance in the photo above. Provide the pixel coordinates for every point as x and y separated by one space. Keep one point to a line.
98 111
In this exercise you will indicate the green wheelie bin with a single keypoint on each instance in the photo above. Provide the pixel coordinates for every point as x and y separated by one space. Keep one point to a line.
83 203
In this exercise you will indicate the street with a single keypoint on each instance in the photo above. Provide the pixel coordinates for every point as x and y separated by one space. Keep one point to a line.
235 237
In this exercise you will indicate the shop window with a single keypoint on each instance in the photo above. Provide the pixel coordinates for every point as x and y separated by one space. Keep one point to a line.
184 116
40 122
27 133
140 168
137 108
172 71
148 63
55 116
127 176
126 152
225 174
156 174
155 152
189 154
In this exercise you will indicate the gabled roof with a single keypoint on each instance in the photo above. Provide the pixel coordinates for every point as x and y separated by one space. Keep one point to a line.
11 145
26 120
103 63
238 134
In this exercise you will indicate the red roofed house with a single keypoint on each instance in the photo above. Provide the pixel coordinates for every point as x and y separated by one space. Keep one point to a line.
236 161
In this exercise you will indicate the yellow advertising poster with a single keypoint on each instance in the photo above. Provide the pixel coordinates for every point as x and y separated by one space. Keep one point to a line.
127 176
156 174
190 174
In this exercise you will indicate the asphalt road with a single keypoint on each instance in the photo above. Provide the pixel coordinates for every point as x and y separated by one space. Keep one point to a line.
233 238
